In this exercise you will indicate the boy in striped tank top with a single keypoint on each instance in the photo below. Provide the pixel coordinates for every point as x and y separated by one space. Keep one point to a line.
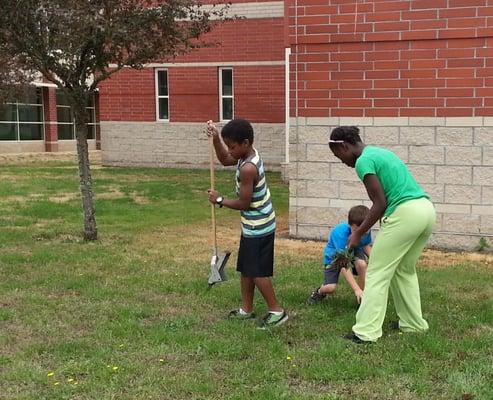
258 219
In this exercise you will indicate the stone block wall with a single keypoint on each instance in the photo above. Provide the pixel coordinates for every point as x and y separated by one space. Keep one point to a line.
452 158
177 144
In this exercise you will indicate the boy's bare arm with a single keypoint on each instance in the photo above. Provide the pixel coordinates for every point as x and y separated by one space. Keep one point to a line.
352 282
367 249
221 150
248 174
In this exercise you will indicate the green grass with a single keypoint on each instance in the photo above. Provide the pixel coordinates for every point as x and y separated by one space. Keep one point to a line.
129 317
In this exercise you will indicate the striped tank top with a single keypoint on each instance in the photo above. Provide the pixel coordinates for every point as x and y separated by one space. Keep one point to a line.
259 219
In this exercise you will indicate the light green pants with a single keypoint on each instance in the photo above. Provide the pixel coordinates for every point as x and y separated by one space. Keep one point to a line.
397 247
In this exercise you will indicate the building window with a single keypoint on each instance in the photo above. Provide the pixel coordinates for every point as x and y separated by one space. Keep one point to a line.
65 118
162 98
226 102
23 120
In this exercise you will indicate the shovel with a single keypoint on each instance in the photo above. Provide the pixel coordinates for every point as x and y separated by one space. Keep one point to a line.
218 260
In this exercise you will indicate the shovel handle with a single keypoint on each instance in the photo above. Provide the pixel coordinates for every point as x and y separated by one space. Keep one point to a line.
213 207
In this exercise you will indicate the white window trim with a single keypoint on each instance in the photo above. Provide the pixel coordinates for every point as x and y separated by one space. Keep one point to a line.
156 85
221 96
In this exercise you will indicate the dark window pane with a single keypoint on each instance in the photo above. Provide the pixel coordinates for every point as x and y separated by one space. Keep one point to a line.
31 131
162 83
227 77
32 96
61 99
64 114
91 131
163 109
228 108
8 132
65 132
8 112
30 113
91 116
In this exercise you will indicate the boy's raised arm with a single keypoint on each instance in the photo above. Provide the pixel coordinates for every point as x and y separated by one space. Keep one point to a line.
221 150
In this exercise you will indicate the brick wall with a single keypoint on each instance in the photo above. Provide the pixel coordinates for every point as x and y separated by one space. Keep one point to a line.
416 77
392 58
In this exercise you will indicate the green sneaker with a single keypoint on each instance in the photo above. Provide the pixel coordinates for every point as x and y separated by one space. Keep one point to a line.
236 314
271 320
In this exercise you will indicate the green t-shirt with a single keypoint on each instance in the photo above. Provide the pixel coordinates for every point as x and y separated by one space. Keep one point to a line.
398 184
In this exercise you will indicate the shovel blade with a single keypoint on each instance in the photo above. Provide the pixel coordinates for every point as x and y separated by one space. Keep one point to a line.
218 263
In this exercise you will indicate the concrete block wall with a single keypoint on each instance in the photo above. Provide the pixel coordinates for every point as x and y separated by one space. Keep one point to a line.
452 158
177 144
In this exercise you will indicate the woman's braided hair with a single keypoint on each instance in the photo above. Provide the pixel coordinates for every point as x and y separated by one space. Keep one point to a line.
349 134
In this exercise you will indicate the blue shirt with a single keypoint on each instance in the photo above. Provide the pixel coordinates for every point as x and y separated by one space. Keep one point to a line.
338 238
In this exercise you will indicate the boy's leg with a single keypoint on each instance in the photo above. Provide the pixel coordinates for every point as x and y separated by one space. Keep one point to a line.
397 235
404 287
328 288
247 293
264 285
361 267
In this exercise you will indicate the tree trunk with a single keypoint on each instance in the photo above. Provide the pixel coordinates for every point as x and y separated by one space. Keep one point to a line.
90 230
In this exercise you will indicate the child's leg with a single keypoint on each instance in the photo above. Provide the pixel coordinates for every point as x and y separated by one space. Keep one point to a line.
247 292
361 267
404 286
397 236
264 285
328 288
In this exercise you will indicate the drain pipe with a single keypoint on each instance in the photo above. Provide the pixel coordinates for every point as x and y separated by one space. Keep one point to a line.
287 125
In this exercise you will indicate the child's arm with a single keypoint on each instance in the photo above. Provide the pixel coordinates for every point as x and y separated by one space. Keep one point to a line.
352 282
248 174
367 249
221 150
377 196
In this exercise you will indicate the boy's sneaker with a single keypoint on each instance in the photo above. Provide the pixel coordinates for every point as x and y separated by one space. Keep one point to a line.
271 320
315 297
238 315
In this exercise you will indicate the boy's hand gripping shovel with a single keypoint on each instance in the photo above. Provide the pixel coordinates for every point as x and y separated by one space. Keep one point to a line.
218 260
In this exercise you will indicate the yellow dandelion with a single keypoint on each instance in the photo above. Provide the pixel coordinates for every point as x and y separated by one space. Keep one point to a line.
400 333
50 374
115 368
109 366
56 383
289 358
70 380
161 360
76 383
293 365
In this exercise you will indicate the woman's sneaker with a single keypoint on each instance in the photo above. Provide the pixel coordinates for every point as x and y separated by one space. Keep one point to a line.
271 320
315 297
238 315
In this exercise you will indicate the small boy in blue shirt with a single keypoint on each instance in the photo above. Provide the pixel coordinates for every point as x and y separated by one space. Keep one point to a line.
337 241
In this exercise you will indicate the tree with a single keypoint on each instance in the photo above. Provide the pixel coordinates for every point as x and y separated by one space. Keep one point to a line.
77 44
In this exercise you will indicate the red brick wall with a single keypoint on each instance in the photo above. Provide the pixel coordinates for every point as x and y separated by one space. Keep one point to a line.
428 58
194 95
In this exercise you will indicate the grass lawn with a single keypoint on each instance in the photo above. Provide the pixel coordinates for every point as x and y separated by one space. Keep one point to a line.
130 316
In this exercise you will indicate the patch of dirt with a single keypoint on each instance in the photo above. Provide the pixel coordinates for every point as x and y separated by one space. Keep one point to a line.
139 199
29 158
441 259
64 197
112 192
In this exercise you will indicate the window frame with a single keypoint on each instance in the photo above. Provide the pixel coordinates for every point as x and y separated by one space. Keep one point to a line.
158 96
222 96
17 123
92 124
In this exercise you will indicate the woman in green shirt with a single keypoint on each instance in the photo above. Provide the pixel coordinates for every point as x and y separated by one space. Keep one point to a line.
407 220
